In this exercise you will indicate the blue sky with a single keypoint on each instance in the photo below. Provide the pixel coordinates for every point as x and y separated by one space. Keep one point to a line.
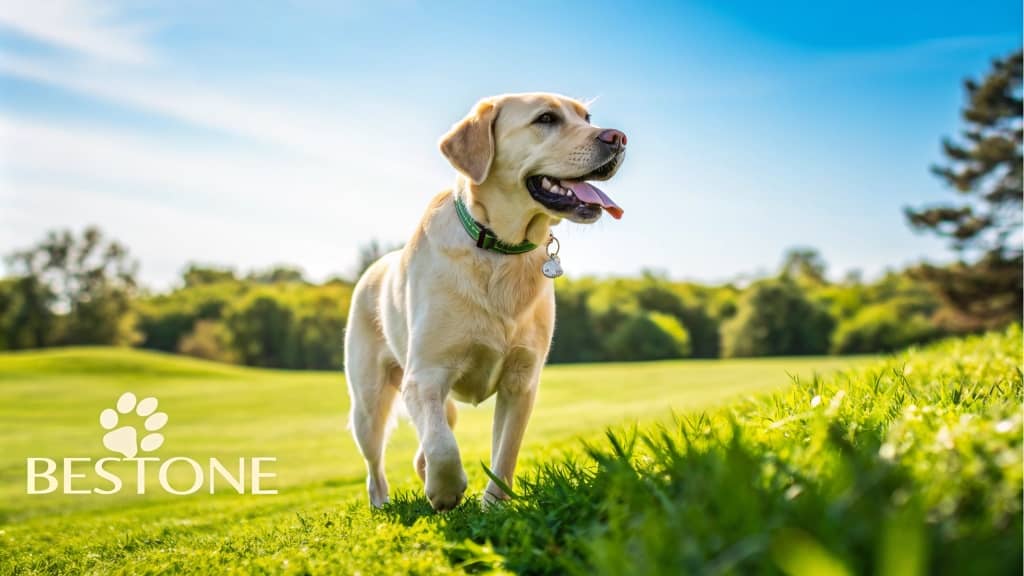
249 134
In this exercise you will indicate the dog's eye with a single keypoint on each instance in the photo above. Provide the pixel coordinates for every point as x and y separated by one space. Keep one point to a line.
546 118
587 118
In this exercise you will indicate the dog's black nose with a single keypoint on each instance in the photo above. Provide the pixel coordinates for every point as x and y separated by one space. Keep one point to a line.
613 138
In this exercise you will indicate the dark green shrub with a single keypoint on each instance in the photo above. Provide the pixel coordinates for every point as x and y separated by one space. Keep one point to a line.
776 318
882 327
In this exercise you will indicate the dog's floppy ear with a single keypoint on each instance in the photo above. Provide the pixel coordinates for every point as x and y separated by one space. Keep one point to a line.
469 145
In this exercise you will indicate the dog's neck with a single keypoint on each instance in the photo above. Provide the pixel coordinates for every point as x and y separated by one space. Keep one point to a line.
503 213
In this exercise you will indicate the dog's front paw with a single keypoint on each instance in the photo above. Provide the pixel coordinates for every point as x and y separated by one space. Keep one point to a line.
447 499
445 486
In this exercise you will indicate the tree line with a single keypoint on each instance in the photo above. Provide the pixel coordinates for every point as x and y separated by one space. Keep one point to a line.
81 290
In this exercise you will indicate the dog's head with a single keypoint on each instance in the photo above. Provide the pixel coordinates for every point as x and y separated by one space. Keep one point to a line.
539 151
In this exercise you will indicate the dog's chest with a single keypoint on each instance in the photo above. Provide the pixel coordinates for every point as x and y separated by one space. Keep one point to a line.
483 369
506 287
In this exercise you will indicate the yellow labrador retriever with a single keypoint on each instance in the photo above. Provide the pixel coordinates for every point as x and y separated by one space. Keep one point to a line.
464 310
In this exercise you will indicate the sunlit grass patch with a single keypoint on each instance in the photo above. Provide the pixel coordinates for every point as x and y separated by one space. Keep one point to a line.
910 466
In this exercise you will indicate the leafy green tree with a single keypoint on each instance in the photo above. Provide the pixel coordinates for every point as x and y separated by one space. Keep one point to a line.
260 328
805 266
279 275
575 338
658 295
611 304
92 283
883 327
622 320
209 340
774 318
290 326
26 320
844 300
319 329
984 288
675 329
196 275
165 319
647 336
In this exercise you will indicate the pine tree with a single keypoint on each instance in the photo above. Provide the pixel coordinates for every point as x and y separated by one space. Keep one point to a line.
984 288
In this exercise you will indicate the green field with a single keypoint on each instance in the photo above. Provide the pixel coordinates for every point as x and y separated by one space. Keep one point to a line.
50 404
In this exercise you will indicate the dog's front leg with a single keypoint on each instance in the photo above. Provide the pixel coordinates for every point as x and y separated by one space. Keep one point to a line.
511 414
425 392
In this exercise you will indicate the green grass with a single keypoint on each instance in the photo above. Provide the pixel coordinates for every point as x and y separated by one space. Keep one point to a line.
735 484
910 466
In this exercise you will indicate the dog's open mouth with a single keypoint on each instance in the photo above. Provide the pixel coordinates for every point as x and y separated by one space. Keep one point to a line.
572 194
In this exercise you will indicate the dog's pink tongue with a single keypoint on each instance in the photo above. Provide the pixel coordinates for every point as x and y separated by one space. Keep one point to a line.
593 195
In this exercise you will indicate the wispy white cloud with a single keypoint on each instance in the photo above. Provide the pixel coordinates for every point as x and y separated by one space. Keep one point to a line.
273 206
173 204
290 198
89 27
284 124
282 120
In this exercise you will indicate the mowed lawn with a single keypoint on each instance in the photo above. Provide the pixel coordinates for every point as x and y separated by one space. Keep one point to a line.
50 405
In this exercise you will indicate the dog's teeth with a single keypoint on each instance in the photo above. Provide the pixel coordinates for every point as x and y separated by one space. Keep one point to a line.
546 184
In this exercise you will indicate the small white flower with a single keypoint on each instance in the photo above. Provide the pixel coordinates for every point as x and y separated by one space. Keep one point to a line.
945 438
887 451
837 400
1004 426
816 401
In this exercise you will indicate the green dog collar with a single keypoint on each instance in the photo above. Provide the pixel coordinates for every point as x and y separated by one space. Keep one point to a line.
484 236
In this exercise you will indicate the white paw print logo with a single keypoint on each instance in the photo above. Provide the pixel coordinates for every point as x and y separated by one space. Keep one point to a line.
125 440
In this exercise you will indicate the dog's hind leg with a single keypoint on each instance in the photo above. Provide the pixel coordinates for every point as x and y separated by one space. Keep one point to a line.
374 390
373 383
372 422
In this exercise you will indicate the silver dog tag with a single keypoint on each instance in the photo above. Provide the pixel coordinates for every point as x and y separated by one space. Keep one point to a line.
553 267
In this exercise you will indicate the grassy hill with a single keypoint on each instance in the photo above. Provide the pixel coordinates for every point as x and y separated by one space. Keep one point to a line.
50 404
